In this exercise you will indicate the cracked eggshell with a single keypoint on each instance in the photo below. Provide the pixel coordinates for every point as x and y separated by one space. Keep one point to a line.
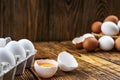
27 45
45 72
7 56
78 41
88 35
106 43
16 49
110 28
66 61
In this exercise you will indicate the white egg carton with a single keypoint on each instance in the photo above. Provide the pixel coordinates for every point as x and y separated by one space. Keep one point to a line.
21 62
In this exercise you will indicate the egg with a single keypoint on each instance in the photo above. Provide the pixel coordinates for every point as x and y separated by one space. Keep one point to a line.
88 35
7 56
45 68
96 27
78 42
66 61
17 50
90 44
117 43
118 24
27 45
112 18
106 43
2 42
109 28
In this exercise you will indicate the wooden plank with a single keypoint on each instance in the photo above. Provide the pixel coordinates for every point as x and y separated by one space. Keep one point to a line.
47 47
112 69
27 75
91 67
112 56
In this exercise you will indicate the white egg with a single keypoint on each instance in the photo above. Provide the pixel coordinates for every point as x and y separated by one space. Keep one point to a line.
27 45
16 49
7 56
66 61
78 40
118 24
2 42
45 72
106 43
109 28
88 35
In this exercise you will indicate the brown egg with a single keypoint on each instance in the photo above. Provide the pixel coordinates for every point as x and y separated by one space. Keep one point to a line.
112 18
96 27
117 43
90 44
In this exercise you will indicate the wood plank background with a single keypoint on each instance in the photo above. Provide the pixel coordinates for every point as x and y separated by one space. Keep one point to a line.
47 20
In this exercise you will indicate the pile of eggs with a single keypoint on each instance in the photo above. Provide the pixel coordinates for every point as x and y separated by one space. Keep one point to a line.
109 27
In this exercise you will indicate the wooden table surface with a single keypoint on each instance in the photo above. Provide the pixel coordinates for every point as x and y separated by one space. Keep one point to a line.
98 65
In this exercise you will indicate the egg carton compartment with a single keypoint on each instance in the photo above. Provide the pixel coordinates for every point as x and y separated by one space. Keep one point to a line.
7 73
20 68
30 58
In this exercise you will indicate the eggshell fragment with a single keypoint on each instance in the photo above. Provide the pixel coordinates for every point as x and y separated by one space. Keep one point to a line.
112 18
109 28
66 61
96 27
78 41
45 72
90 44
106 43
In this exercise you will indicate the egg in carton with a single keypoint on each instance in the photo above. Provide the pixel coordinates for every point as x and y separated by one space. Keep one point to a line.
7 65
20 55
30 51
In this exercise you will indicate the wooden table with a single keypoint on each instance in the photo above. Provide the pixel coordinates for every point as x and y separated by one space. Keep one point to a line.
98 65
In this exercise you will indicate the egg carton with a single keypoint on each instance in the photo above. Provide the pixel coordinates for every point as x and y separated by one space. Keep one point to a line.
7 71
20 66
30 58
100 35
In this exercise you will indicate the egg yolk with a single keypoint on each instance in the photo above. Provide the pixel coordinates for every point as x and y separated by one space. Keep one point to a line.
46 65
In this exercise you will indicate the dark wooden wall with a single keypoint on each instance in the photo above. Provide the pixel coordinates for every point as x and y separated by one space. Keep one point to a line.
46 20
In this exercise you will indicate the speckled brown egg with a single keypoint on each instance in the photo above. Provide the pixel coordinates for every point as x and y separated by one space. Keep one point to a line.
96 27
117 43
90 44
112 18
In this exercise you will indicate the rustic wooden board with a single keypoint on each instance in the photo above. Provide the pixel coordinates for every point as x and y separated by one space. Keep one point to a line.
98 65
46 20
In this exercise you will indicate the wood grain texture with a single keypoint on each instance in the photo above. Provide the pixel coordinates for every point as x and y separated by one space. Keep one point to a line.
97 65
47 20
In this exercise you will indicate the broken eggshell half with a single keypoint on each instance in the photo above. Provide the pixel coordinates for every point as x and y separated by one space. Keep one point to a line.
66 61
78 41
43 71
